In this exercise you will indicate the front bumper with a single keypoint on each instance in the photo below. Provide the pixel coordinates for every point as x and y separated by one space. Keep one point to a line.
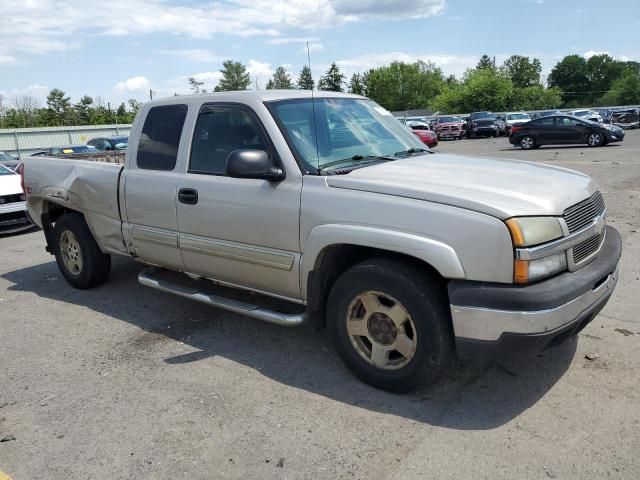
13 217
500 321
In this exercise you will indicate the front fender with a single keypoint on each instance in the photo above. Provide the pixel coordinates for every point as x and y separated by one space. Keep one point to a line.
439 255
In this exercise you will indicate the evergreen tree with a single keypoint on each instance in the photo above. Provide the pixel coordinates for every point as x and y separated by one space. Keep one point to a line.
59 108
305 80
281 79
356 85
234 77
84 110
196 86
332 80
270 85
485 63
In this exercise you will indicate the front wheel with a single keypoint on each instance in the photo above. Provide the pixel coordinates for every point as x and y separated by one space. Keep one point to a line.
527 143
78 256
390 324
595 139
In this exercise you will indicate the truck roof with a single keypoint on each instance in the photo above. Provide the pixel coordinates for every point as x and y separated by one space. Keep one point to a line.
262 95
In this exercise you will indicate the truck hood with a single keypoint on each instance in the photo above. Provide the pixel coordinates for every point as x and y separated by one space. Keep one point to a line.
10 185
498 187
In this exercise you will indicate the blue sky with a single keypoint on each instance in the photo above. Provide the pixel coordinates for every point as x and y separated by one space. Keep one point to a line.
120 49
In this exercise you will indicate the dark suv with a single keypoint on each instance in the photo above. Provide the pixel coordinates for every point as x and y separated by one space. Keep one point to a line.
482 124
109 143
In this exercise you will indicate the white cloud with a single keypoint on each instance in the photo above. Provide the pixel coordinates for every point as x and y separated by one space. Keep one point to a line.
41 26
196 55
313 47
288 40
260 70
133 84
591 53
7 59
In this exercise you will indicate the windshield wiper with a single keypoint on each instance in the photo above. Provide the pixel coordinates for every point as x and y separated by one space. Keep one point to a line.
355 158
412 151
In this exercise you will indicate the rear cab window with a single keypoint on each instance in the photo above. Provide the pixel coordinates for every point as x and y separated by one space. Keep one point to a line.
160 137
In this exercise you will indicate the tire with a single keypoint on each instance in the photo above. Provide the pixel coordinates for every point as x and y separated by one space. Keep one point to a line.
79 258
425 335
527 142
595 139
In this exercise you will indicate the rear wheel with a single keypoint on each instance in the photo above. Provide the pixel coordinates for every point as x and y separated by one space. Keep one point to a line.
79 258
389 323
527 142
595 139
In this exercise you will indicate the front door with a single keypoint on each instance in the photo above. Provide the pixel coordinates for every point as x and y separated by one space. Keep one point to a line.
570 130
241 231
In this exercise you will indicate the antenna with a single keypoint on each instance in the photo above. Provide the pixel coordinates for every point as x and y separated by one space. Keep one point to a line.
313 108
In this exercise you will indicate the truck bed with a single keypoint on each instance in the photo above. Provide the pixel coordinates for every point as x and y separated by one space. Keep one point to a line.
86 183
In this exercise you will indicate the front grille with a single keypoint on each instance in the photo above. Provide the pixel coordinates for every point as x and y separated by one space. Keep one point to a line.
485 123
582 214
18 197
587 248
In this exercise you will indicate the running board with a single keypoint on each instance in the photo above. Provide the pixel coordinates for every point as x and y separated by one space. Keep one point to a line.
147 278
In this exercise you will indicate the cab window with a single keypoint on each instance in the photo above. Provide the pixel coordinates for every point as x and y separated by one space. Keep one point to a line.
221 129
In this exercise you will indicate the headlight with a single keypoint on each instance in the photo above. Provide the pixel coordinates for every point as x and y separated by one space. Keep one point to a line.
526 271
528 231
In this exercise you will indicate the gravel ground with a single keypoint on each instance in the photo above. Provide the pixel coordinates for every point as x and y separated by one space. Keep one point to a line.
124 382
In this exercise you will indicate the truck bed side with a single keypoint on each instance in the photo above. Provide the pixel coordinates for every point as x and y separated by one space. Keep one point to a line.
84 185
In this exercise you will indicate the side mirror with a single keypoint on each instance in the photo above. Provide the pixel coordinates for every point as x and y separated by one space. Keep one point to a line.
252 164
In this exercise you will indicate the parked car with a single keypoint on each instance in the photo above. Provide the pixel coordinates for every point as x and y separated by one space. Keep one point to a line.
424 132
8 161
13 208
626 119
482 124
502 125
546 113
449 127
109 143
515 118
586 114
563 130
65 150
331 206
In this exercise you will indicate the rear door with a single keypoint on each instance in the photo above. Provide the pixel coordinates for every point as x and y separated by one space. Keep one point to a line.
543 130
150 186
238 230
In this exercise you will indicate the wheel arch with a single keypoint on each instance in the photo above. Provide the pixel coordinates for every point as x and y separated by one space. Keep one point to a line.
326 258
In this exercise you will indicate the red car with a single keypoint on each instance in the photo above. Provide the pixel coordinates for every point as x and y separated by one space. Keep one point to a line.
424 132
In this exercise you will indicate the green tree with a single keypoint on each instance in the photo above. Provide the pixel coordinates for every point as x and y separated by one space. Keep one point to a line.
481 89
196 86
59 108
536 97
134 105
84 110
522 71
570 75
602 71
404 86
234 77
281 80
624 91
270 85
486 62
356 85
332 80
305 79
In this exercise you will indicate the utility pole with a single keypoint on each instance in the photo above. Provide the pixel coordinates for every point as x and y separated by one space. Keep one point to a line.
150 94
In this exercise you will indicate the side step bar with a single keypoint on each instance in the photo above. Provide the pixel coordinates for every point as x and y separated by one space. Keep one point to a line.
146 278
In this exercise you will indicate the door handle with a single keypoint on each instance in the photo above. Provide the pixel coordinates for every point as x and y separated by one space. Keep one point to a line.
188 196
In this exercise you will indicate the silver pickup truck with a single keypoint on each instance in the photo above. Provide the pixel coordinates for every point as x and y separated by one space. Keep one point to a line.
334 208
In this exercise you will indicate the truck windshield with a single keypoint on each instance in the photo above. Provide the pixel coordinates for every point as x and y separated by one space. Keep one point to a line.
344 129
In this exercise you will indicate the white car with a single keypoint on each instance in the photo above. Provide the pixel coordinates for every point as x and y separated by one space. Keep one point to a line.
13 208
586 114
515 118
